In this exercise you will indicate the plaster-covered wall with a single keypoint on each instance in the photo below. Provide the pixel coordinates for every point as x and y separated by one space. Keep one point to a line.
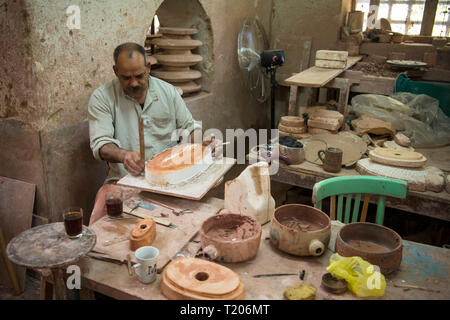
51 71
295 21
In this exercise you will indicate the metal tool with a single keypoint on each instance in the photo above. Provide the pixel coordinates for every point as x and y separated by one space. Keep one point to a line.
161 221
175 212
274 275
106 259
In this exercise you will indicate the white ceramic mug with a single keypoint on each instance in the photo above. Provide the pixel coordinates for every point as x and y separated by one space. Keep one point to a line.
146 268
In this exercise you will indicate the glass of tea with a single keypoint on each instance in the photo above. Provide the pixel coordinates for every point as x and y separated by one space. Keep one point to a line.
114 204
73 222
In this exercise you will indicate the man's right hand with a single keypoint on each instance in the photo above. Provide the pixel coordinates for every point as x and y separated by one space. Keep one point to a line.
133 163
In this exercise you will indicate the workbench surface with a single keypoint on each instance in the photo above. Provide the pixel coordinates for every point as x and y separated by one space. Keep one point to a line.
431 204
423 266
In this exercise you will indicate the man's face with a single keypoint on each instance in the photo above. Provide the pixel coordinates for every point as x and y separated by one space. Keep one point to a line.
133 74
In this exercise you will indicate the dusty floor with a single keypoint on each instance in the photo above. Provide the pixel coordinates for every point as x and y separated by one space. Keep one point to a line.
31 292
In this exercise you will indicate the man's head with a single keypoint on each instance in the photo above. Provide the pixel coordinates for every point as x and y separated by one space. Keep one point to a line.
132 69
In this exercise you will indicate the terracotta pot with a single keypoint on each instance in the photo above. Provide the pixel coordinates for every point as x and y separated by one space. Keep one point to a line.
230 237
377 244
300 230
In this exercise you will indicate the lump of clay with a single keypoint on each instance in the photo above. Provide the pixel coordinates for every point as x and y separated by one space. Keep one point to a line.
369 124
402 140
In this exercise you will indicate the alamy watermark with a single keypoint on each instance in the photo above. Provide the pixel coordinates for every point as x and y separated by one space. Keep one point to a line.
261 146
73 17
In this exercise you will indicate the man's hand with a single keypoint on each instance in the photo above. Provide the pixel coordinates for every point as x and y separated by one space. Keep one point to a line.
130 159
216 146
133 163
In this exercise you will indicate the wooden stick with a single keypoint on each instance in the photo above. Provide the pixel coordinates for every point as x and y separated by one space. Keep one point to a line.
333 207
9 266
365 207
141 139
408 286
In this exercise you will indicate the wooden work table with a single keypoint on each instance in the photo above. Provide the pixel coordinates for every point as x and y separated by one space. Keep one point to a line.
431 204
424 267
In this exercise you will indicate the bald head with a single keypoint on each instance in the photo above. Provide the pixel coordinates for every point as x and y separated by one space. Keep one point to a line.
131 49
132 69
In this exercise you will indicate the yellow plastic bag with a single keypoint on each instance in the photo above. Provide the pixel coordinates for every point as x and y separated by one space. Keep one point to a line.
362 277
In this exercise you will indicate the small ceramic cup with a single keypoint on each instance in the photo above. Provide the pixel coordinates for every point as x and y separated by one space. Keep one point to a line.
145 270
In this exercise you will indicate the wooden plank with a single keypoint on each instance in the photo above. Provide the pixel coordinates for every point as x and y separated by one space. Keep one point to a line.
316 77
307 42
429 15
293 100
193 189
169 241
16 210
370 84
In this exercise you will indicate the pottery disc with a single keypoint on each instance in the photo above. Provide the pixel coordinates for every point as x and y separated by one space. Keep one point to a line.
353 147
202 277
398 154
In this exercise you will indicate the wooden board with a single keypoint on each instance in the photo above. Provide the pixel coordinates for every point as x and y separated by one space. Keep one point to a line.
329 64
331 55
317 77
169 241
16 210
193 189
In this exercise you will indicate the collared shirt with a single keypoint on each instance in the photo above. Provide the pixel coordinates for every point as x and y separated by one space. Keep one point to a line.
114 118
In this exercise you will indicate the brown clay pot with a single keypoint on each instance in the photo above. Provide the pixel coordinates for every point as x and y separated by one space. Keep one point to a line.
300 230
377 244
230 237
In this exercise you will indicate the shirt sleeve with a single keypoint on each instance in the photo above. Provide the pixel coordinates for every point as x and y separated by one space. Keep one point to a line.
182 113
101 123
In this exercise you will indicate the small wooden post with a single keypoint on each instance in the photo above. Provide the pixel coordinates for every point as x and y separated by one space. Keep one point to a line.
9 266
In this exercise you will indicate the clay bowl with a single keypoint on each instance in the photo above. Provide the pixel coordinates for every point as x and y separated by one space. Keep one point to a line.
295 155
230 237
333 285
300 230
377 244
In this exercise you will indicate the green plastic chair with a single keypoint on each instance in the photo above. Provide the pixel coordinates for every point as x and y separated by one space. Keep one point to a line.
357 185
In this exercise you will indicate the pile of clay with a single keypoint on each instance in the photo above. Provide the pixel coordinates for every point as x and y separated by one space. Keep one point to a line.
300 225
368 246
290 142
233 229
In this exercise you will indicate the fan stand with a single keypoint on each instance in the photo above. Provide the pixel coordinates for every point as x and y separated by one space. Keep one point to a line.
273 83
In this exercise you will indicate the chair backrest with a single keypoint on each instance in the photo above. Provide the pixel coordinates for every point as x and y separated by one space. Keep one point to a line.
357 185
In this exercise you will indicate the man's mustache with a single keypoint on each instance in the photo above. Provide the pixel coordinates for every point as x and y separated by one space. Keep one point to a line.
135 89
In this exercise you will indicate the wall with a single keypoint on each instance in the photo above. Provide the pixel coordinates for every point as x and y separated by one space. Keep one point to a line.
49 72
295 22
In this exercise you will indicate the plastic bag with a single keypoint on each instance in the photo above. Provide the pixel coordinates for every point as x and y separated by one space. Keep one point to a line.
362 277
417 116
